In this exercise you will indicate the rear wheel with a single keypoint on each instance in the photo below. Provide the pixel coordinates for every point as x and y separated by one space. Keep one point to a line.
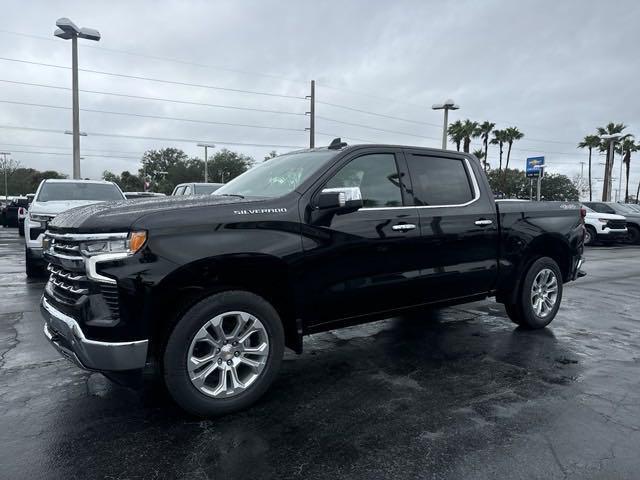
590 235
224 353
21 229
539 296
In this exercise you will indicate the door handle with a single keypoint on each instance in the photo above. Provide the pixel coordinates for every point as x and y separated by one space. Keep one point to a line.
483 223
403 227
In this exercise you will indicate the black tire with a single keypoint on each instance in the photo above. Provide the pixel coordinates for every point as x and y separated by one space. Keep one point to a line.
522 312
176 375
21 229
633 234
32 268
591 236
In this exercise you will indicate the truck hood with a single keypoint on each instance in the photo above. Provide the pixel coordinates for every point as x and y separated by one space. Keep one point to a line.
56 207
120 215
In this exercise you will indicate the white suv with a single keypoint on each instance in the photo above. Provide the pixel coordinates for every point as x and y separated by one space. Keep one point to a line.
54 197
603 227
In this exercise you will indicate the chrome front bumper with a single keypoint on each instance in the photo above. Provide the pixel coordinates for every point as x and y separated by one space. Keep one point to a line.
65 335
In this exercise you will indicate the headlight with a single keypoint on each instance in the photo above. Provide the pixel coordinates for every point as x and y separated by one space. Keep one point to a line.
34 217
130 245
603 220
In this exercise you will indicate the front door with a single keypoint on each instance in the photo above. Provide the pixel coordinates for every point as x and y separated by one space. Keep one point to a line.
363 261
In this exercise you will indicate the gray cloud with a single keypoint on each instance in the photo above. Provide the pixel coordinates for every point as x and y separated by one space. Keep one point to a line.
554 69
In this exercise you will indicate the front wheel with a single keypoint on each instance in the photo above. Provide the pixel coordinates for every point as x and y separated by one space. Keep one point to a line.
539 296
224 353
590 235
633 235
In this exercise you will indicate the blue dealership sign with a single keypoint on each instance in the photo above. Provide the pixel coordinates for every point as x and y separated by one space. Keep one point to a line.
533 166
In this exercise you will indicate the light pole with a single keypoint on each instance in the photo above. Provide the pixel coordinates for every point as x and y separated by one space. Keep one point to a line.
446 106
206 159
68 30
611 138
5 167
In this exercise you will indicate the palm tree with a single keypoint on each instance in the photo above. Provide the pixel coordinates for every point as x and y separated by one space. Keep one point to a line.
625 148
469 130
590 142
479 154
610 129
485 130
499 138
512 134
455 133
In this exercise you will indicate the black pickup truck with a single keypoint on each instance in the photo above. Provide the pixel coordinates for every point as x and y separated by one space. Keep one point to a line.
208 290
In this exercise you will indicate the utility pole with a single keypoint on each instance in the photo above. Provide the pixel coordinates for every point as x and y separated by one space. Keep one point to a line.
5 167
582 169
541 172
446 106
312 115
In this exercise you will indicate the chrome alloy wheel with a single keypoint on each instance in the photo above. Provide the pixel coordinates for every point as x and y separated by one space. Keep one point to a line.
228 354
544 292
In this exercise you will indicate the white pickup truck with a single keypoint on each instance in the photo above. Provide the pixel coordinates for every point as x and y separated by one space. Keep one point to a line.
603 227
54 197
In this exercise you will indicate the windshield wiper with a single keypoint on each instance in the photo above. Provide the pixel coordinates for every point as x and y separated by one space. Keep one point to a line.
231 195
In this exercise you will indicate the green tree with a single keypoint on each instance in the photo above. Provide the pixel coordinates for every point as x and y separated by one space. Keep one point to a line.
558 187
485 129
456 133
270 155
126 181
610 129
27 180
626 148
590 142
226 165
511 183
511 135
499 138
468 130
167 167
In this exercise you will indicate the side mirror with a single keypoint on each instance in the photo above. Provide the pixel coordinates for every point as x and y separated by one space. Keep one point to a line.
341 198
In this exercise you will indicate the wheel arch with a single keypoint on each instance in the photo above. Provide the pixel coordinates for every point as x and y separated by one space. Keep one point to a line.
264 275
546 245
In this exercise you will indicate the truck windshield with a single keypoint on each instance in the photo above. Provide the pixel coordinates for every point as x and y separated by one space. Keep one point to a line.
62 191
278 176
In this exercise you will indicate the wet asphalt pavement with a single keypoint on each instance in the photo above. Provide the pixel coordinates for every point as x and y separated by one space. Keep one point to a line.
457 393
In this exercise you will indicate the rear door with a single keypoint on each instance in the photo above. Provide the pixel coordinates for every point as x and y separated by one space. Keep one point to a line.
362 261
458 225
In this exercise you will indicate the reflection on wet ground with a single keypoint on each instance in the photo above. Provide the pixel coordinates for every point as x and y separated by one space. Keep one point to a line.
455 393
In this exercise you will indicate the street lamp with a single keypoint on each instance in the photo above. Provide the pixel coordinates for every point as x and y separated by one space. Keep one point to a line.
611 138
206 167
446 106
68 30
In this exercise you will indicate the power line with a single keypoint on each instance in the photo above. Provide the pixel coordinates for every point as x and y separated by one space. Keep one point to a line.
157 99
151 79
69 154
140 137
64 148
373 128
335 135
159 117
157 57
382 115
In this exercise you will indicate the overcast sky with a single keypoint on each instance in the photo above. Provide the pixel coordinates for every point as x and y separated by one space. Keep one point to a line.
554 69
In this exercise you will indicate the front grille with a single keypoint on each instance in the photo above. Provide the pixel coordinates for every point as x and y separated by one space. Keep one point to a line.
66 247
66 286
616 224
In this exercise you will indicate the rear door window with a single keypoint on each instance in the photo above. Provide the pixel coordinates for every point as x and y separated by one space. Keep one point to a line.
439 181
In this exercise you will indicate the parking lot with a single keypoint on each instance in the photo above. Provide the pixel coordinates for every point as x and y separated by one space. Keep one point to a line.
454 393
